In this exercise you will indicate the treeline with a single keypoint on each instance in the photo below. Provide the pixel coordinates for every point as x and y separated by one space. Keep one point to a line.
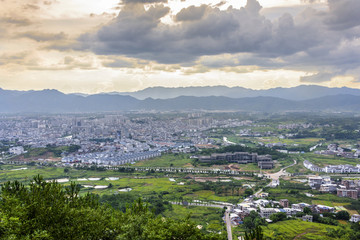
121 202
56 150
45 210
223 188
238 148
329 134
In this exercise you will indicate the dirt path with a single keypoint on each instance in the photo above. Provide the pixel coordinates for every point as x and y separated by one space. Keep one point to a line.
300 235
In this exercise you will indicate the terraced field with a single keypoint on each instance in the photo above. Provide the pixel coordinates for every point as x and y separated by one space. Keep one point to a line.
297 229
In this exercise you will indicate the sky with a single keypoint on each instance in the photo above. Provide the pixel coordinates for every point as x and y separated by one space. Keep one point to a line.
93 46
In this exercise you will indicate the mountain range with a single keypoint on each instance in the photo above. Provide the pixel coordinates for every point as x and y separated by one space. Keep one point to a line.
302 98
303 92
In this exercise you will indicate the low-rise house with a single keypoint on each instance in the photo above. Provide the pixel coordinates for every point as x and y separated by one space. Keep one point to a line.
351 193
291 211
267 212
261 202
355 218
284 203
307 218
315 182
300 206
263 195
323 209
16 150
327 188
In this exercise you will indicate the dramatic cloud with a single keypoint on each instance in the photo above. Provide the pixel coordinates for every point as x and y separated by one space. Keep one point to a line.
137 32
315 41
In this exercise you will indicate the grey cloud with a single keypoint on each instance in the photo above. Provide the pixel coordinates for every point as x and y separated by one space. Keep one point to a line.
118 63
14 58
139 33
220 4
318 78
15 21
31 7
191 13
41 37
50 2
253 6
343 14
144 1
310 1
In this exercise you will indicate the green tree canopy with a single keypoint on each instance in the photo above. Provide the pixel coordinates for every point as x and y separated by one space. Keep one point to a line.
48 210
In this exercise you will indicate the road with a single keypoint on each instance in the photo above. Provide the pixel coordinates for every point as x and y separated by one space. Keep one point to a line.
276 176
227 141
282 172
228 223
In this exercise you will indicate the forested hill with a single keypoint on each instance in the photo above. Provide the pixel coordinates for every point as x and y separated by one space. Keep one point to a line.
45 210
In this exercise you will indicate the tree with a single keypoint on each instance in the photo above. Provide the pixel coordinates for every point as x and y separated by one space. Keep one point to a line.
48 210
307 210
253 220
254 234
277 217
249 192
342 215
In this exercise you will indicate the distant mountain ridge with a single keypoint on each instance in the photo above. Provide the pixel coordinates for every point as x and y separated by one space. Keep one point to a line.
303 92
53 101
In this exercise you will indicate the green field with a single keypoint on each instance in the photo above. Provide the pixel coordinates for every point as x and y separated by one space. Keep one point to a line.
297 229
139 182
208 217
9 172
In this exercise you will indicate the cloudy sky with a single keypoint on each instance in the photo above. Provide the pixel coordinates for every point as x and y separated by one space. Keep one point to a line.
93 46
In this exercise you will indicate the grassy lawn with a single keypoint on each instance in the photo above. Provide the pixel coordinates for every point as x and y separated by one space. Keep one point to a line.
286 194
299 141
299 167
322 160
167 160
210 195
249 142
11 172
297 229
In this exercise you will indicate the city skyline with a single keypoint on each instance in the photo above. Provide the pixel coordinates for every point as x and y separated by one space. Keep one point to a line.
91 46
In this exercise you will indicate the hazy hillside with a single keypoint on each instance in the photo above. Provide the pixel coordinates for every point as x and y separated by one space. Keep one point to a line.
53 101
295 93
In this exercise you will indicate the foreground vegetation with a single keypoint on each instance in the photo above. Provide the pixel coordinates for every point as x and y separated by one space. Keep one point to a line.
45 210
